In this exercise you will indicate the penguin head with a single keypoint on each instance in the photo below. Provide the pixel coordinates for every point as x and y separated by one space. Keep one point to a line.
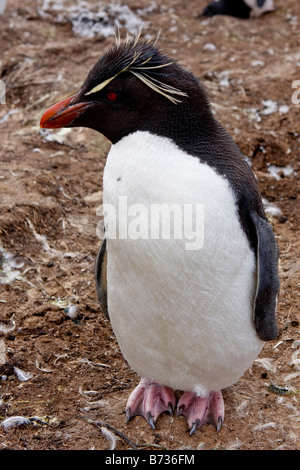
133 86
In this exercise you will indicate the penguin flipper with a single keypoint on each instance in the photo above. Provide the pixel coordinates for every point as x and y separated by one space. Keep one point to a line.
101 276
267 287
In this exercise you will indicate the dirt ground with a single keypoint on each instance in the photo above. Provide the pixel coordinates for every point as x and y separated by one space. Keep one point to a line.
61 370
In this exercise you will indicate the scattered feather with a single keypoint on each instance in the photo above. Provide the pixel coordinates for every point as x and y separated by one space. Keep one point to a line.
60 357
266 364
291 376
296 344
63 304
64 193
252 114
225 81
270 107
9 267
278 171
68 308
111 438
273 107
94 197
42 239
55 136
209 46
86 393
284 108
22 375
282 390
271 209
201 446
243 405
8 114
7 329
14 421
122 436
89 397
48 371
71 311
93 405
237 444
261 427
257 63
84 360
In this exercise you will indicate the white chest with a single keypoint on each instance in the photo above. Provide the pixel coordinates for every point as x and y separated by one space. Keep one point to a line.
180 302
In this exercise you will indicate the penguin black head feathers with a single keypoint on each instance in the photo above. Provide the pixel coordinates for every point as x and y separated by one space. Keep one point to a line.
142 88
139 58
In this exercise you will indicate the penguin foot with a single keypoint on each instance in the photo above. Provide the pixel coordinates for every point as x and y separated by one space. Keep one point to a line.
149 399
200 411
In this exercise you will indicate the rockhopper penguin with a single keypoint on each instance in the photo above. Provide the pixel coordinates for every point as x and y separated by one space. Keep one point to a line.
186 319
239 8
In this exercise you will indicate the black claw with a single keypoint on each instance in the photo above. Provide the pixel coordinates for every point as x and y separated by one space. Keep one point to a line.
170 408
128 414
196 425
219 423
180 410
149 418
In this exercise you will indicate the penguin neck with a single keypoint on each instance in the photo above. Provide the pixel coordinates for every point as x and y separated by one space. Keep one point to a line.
189 127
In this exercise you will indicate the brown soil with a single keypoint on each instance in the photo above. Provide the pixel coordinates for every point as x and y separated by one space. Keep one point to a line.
50 189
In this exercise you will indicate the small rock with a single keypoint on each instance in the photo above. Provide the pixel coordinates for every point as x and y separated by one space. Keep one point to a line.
3 358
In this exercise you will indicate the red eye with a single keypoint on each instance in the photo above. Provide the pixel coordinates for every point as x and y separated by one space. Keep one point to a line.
111 96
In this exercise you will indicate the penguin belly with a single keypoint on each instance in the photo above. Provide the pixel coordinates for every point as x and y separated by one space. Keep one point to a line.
183 317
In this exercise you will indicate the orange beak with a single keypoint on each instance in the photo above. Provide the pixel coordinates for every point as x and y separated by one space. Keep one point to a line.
62 114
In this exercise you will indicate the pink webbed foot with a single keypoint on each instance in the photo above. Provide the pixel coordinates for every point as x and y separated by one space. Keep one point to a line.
149 400
200 411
